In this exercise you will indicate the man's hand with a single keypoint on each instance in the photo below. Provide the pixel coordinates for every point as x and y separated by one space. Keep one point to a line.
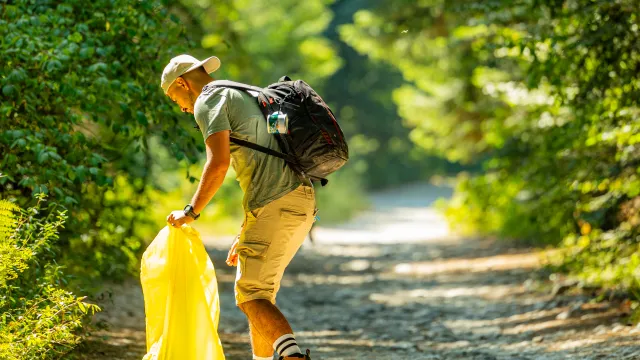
177 218
232 258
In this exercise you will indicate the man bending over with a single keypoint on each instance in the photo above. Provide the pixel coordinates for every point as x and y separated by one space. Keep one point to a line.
279 206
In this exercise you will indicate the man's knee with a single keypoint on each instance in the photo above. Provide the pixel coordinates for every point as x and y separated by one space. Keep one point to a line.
243 307
247 306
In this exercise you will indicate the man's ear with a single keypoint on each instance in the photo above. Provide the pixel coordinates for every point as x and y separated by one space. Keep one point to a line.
180 81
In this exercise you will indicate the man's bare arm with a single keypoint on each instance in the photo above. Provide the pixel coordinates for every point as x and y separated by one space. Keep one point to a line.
215 169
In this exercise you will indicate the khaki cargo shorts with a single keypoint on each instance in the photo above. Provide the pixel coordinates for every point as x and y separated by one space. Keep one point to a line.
270 237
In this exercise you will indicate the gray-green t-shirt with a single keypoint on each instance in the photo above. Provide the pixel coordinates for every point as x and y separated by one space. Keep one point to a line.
263 178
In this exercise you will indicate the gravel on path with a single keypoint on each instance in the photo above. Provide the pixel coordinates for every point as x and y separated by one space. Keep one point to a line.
395 284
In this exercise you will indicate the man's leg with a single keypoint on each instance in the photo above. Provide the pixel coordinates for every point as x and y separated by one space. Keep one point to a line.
261 347
269 240
267 324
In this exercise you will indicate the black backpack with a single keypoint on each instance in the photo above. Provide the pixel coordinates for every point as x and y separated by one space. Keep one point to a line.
314 146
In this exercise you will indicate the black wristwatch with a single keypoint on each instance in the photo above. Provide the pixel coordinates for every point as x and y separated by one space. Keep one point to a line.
188 210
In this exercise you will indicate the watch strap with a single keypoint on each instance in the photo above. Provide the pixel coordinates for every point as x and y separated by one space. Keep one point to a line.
188 210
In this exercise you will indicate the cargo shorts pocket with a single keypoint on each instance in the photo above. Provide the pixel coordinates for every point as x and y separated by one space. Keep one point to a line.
252 265
252 250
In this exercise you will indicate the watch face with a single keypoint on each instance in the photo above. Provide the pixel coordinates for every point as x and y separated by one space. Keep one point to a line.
188 210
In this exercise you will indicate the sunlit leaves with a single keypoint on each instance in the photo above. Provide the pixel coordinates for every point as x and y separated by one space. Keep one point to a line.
39 319
258 42
545 93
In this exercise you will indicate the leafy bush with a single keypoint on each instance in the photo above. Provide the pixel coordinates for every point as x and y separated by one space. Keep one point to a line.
39 318
81 101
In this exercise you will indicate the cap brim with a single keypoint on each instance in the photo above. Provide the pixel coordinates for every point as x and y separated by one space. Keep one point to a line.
210 65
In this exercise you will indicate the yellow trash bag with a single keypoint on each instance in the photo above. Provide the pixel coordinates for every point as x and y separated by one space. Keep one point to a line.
180 298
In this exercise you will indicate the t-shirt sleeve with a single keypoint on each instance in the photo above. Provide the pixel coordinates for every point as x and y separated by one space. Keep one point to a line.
212 115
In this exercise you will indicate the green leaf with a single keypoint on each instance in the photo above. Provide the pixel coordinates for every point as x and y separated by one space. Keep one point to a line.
99 66
75 37
87 52
53 65
58 191
8 90
69 200
80 173
19 142
142 118
43 156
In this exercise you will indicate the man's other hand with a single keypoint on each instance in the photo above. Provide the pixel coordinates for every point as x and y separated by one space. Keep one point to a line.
232 258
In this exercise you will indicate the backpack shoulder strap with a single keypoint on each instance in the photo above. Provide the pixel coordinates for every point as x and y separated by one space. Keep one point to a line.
234 85
292 161
288 158
263 94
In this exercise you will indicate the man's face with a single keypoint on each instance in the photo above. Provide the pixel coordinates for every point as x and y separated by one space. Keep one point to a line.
180 93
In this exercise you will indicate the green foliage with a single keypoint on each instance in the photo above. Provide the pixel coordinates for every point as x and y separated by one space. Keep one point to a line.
544 94
81 101
360 93
260 42
14 260
441 49
499 204
223 215
342 199
40 320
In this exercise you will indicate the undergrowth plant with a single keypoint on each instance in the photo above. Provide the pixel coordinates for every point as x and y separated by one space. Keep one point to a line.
39 318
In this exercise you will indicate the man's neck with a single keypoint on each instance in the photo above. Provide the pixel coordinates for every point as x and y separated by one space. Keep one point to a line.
201 83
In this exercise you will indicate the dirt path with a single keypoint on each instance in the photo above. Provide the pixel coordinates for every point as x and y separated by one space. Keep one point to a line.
393 284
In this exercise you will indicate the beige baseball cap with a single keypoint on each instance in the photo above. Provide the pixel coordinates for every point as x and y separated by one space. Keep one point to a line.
182 64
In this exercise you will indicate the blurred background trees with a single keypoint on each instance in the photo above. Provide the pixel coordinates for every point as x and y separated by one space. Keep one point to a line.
544 96
536 100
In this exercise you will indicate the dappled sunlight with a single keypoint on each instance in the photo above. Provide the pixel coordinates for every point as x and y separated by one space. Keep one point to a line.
578 343
319 279
121 337
619 340
348 251
332 338
486 264
555 322
415 225
585 311
462 294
